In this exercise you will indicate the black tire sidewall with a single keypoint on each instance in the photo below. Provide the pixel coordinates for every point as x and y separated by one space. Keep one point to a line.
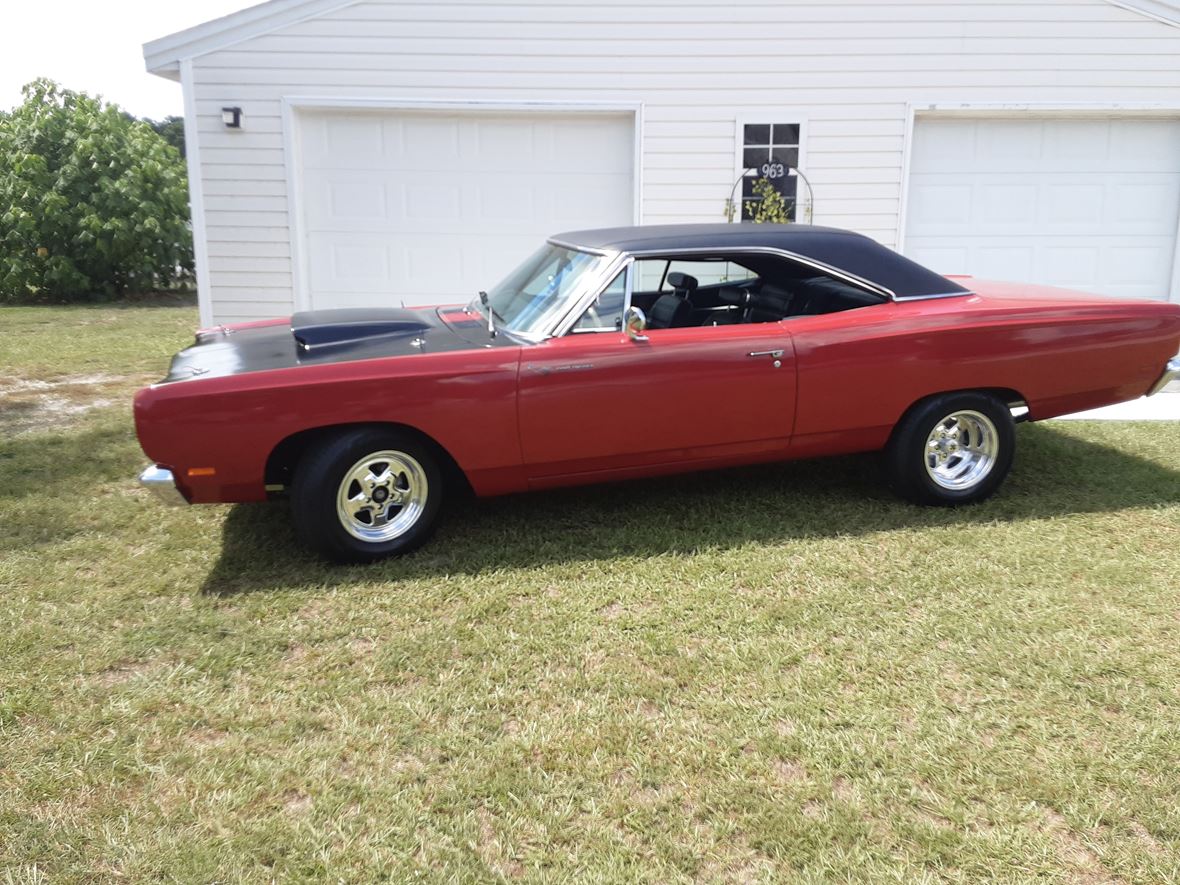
317 480
905 456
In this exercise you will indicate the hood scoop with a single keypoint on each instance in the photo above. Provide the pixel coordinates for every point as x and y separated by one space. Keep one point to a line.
323 330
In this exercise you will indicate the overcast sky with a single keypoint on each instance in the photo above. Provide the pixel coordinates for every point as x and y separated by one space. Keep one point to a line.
97 47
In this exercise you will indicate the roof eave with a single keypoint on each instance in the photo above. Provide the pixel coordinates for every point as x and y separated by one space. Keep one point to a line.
169 71
1166 11
162 56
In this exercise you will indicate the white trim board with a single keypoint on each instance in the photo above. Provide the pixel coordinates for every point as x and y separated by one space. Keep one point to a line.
1164 11
293 105
196 197
1046 108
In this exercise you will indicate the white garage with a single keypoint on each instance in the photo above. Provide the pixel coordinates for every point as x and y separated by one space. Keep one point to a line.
357 152
1091 204
427 206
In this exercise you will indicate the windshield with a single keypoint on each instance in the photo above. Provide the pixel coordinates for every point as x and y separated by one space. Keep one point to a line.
539 291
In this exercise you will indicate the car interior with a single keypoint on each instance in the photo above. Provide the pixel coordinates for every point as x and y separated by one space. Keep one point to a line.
724 290
754 289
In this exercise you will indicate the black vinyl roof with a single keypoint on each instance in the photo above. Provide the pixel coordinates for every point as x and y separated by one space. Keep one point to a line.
843 250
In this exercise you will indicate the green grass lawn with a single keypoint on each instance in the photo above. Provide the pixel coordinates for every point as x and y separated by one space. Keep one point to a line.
759 675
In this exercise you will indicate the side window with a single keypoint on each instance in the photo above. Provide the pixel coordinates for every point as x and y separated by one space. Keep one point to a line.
606 313
649 274
709 273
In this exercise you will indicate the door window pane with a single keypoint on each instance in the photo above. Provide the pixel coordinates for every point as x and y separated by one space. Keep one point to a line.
606 313
710 273
649 274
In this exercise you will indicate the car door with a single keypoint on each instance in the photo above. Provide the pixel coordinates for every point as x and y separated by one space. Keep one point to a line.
599 401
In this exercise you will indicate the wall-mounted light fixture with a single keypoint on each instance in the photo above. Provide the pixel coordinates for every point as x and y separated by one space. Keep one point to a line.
232 118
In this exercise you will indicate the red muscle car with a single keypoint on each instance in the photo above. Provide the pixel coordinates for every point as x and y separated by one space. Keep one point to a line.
629 352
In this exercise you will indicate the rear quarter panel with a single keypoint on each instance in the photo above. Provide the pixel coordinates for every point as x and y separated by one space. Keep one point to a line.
859 371
465 401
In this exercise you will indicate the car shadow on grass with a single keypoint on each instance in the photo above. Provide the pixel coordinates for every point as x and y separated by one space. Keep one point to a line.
1056 474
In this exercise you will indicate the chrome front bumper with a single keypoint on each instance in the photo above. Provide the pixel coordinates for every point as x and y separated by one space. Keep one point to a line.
160 482
1171 373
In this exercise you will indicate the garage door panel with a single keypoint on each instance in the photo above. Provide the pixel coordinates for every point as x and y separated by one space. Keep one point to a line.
998 260
507 199
431 201
948 258
1085 203
1076 205
356 264
944 148
1075 266
1129 266
1000 147
432 206
935 205
426 143
1144 203
1148 145
361 137
999 205
596 146
357 200
497 138
1139 266
411 268
1074 146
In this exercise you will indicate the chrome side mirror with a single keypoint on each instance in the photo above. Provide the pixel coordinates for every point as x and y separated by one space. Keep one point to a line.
635 322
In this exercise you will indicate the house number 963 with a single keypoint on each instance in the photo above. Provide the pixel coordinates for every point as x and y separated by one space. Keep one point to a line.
774 170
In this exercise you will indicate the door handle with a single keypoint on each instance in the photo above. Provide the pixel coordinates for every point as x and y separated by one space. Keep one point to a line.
774 353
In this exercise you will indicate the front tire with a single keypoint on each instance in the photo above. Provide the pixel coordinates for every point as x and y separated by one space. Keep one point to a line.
951 449
367 494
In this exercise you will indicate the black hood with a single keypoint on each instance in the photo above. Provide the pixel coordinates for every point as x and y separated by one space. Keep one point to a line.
316 337
318 330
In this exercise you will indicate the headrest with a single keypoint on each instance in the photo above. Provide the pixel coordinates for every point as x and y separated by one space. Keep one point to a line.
678 280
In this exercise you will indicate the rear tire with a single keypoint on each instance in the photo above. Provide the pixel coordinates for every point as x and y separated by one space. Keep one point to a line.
951 449
367 494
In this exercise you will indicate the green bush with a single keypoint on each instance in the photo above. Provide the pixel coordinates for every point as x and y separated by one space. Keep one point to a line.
770 207
93 203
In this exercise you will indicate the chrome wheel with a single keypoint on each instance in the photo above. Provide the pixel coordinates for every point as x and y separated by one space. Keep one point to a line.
381 496
961 450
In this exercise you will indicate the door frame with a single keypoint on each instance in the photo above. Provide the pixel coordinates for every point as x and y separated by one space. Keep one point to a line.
294 106
1027 110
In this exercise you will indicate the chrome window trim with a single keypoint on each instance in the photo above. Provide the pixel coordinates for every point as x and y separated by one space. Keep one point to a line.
594 287
553 241
672 254
593 284
626 269
626 259
934 296
628 286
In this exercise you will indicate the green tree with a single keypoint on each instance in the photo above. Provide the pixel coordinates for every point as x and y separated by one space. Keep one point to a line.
92 203
171 129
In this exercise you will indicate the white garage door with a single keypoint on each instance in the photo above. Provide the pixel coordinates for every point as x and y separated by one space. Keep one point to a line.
429 207
1086 204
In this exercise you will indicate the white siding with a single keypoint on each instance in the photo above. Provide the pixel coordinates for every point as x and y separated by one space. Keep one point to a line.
847 68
